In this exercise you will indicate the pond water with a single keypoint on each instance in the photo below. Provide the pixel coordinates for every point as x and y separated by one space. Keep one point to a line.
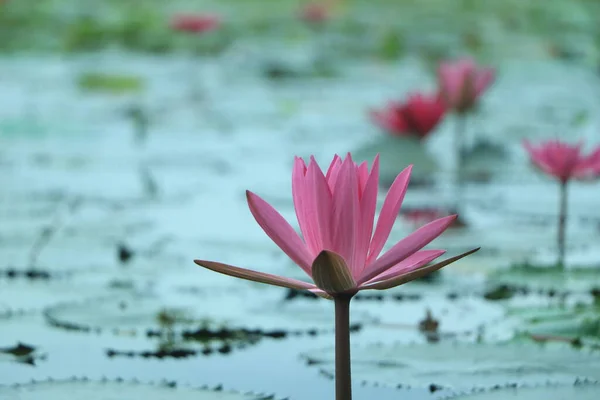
120 167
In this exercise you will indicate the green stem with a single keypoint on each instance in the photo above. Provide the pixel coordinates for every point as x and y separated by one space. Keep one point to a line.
343 380
562 220
459 134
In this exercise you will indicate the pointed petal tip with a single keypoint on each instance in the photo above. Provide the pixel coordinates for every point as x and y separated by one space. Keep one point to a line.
415 274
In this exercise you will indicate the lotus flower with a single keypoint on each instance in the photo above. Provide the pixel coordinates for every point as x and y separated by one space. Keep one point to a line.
195 23
462 82
418 116
314 13
564 162
340 245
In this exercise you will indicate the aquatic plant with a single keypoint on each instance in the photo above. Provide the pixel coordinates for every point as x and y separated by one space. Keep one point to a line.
315 13
418 116
564 162
340 250
461 84
84 388
195 23
581 389
461 365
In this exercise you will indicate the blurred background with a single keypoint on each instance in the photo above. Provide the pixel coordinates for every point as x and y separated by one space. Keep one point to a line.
130 130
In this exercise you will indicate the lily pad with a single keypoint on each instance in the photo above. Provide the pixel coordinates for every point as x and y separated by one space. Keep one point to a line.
579 325
115 84
23 296
193 317
579 391
548 278
108 390
464 365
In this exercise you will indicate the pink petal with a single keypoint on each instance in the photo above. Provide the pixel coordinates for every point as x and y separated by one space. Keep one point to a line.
306 192
414 274
417 260
345 212
277 228
406 247
299 194
255 275
333 172
319 207
368 205
363 175
389 213
451 83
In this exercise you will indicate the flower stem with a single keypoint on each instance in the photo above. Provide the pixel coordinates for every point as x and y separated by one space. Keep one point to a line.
562 219
343 380
459 134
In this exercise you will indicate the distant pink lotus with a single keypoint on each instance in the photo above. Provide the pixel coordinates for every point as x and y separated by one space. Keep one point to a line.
462 82
418 116
315 12
195 23
340 246
564 161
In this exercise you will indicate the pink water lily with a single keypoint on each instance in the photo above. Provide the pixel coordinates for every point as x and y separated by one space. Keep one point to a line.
315 12
462 82
564 161
418 116
340 245
195 23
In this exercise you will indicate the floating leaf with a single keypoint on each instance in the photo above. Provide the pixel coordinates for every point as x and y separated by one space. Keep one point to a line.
116 84
464 365
578 324
189 315
579 391
88 390
548 278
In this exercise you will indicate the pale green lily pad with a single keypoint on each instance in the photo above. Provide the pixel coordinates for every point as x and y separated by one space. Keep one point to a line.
185 313
115 84
21 296
464 365
548 278
396 153
578 324
109 390
579 391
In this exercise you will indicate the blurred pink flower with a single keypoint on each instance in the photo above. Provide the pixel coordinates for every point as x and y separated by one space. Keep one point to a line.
418 116
421 216
462 82
195 23
315 12
339 248
564 161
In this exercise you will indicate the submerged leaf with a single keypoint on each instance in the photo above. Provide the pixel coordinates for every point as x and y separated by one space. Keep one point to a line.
578 391
115 84
88 390
464 365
